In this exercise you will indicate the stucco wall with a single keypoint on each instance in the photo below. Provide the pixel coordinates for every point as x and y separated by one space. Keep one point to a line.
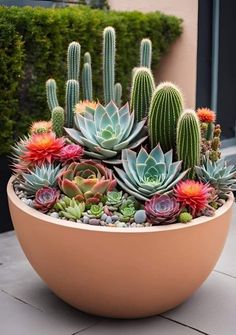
179 65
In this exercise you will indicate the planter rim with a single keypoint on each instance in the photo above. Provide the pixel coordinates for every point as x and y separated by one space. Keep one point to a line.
104 229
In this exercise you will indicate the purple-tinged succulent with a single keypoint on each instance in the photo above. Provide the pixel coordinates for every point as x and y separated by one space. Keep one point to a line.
87 181
45 198
162 209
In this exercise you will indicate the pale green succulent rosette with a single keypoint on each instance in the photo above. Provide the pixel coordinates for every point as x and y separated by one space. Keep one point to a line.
218 174
145 174
107 130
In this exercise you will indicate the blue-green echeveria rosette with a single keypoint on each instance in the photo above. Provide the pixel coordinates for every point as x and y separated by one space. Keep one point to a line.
145 174
105 131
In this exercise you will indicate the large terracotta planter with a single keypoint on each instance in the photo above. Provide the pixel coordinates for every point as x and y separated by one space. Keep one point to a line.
120 272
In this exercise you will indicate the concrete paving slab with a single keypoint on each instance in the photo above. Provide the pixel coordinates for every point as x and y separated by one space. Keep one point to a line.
21 319
150 326
212 308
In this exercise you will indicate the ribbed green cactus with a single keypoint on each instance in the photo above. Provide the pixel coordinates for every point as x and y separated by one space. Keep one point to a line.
58 121
165 109
51 91
146 53
73 61
87 82
72 98
87 58
109 50
118 94
188 140
141 92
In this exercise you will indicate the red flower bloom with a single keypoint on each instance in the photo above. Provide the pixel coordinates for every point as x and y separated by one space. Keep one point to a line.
193 194
45 198
206 115
42 148
70 153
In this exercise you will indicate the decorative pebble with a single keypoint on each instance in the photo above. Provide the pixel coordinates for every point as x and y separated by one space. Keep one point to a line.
103 217
102 223
140 216
114 218
109 219
110 225
79 221
86 219
120 224
54 215
133 225
94 222
21 195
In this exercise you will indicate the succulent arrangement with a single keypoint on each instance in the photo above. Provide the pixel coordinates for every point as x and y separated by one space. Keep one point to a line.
144 163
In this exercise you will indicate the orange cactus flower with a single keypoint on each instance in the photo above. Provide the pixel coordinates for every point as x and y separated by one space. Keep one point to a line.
81 106
206 115
193 194
41 127
42 148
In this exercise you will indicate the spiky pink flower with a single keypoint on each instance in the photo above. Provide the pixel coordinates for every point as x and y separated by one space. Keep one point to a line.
70 153
45 198
193 195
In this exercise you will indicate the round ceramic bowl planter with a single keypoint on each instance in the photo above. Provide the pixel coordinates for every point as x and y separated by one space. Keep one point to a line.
120 272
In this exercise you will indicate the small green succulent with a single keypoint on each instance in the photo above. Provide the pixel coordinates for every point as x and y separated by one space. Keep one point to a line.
70 209
43 176
63 203
185 217
127 210
96 211
114 198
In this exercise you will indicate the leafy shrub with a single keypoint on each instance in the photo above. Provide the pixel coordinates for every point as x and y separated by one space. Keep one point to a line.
33 45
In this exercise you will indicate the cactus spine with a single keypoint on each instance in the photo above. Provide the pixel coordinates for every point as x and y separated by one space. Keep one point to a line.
87 82
146 53
118 94
73 61
141 92
165 109
51 91
72 98
189 140
109 49
58 121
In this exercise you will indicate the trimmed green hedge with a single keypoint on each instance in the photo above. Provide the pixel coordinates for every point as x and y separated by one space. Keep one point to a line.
33 44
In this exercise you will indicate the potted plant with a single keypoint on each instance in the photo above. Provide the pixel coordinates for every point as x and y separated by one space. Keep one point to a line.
123 211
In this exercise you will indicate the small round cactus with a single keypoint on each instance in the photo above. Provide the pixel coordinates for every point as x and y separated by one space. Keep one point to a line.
185 217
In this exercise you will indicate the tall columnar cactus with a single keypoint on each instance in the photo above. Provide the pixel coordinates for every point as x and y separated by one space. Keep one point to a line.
73 61
146 53
141 92
118 94
72 98
109 50
189 140
87 58
58 121
51 91
165 109
87 82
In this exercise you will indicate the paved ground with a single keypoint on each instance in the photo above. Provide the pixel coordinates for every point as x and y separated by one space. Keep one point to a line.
27 307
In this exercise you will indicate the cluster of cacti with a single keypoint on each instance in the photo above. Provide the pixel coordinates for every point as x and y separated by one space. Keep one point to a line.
176 176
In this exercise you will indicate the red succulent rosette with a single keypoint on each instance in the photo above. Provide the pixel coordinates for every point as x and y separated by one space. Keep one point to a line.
70 153
162 209
45 198
86 181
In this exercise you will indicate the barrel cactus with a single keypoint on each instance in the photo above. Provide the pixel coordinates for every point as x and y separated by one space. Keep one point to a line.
189 140
141 92
105 131
166 107
145 174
